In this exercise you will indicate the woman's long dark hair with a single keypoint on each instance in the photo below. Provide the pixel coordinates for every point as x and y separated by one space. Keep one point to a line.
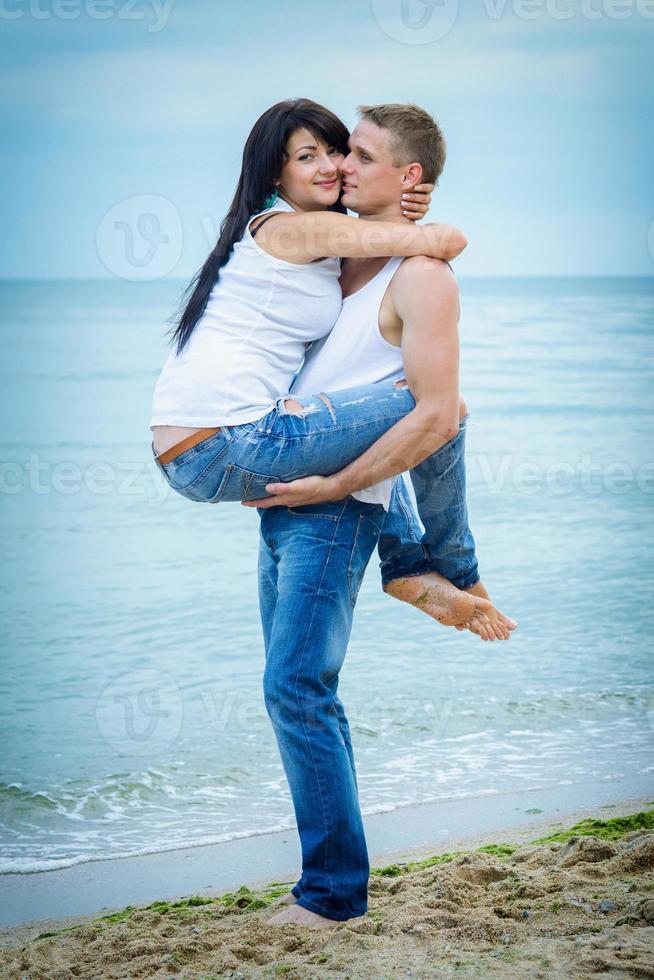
264 156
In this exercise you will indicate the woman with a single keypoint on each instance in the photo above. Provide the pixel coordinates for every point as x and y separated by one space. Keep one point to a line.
221 426
271 306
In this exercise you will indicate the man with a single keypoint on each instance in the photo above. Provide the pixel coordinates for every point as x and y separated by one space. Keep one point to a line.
314 550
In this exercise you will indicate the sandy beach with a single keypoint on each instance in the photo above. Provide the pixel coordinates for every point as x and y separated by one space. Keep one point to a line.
578 902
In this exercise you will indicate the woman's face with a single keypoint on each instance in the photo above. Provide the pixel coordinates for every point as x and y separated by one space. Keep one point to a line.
310 179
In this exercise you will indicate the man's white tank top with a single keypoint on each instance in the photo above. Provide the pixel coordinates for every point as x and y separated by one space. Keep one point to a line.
355 353
250 340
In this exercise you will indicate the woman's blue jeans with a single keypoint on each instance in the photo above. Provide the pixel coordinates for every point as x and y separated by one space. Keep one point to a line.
332 430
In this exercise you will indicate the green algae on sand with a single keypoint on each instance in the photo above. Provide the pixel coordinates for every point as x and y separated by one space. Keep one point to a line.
247 900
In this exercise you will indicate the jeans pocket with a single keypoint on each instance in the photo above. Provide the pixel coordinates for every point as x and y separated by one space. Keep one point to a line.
222 486
189 470
197 479
241 484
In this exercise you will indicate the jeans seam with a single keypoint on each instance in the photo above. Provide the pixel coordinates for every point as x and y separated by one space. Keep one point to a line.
266 555
297 699
322 517
365 517
353 598
328 428
405 512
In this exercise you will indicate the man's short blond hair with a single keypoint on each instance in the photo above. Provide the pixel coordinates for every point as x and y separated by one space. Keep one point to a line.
416 137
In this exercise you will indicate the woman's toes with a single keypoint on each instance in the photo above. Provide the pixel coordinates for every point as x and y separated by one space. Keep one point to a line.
507 622
480 626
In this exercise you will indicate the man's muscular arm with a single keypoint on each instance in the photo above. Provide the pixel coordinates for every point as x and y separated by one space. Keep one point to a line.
425 296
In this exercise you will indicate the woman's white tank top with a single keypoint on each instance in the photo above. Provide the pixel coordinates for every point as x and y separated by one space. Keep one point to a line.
250 340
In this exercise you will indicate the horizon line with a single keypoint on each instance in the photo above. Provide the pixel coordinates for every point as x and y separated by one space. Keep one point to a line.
182 279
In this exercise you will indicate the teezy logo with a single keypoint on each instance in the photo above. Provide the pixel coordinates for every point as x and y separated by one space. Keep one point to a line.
415 21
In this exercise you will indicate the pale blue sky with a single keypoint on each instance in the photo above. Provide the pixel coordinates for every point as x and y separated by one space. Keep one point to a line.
548 119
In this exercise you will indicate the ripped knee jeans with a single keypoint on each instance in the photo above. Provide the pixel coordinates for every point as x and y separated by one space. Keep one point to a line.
331 430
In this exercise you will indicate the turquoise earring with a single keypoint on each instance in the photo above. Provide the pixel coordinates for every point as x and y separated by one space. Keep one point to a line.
270 200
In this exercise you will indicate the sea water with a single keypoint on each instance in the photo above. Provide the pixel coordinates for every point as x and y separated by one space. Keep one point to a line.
131 703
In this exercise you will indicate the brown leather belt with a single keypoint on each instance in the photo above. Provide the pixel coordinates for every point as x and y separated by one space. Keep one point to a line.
180 447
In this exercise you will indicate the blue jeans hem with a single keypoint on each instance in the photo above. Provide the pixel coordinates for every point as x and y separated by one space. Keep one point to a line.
306 903
465 583
468 583
405 573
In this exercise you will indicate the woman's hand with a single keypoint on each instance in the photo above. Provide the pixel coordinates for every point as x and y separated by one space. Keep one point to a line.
415 203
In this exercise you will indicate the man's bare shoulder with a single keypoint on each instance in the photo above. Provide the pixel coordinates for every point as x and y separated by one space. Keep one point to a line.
423 279
423 267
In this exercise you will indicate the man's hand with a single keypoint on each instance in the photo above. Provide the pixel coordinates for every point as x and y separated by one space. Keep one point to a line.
298 493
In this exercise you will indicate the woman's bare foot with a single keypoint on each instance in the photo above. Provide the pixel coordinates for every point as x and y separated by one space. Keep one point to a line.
305 917
480 590
450 606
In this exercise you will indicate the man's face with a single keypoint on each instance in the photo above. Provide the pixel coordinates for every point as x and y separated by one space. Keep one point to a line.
370 181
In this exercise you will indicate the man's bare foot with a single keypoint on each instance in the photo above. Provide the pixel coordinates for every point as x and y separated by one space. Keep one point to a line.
480 590
450 606
287 899
305 917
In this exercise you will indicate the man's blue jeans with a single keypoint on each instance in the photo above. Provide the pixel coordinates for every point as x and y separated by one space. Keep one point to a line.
311 564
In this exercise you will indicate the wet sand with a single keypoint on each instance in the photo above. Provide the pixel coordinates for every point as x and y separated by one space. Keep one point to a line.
576 903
